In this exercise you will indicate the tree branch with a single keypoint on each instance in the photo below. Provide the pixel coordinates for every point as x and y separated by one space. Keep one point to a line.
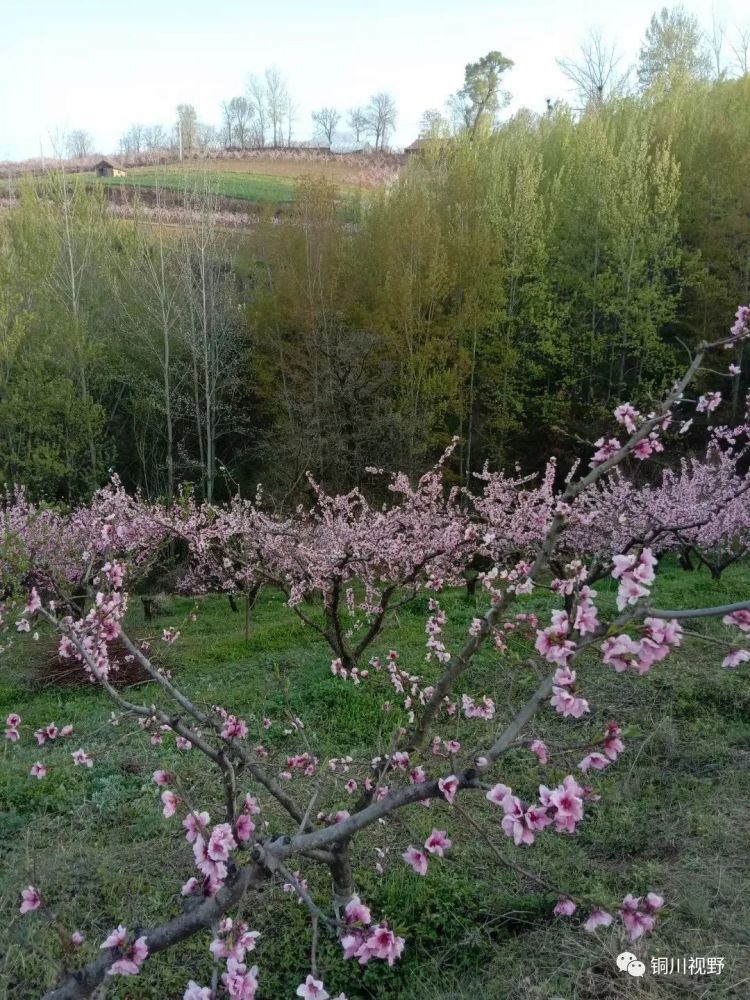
79 985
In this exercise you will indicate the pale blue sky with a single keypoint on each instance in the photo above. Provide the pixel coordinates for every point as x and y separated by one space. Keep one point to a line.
104 64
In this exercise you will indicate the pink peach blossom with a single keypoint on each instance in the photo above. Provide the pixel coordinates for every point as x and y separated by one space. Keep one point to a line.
437 842
30 900
244 828
734 657
221 842
383 943
497 794
448 787
565 907
356 912
597 918
596 760
116 938
312 989
417 860
196 992
170 802
195 824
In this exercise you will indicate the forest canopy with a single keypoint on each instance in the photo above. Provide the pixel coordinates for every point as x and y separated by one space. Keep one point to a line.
508 283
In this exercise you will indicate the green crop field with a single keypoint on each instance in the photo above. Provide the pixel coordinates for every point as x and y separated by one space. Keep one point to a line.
674 816
262 189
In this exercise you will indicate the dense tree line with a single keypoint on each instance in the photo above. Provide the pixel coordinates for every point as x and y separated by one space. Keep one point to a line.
510 283
264 117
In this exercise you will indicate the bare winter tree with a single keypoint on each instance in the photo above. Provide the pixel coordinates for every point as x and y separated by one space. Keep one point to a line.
242 116
207 137
227 123
741 50
148 287
381 117
187 125
433 125
291 117
277 103
79 144
256 95
73 228
459 112
134 139
211 335
715 43
137 132
357 121
596 72
326 121
155 138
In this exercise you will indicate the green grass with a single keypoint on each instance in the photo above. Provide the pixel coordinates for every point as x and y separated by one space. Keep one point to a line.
261 189
673 817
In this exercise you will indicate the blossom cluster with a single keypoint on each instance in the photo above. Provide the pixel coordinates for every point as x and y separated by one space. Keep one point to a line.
658 638
635 575
132 956
437 843
363 941
638 914
561 807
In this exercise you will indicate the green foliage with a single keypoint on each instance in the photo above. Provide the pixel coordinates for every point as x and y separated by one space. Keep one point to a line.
47 431
480 97
673 49
507 286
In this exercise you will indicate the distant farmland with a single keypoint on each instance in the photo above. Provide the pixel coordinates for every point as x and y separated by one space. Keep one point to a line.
258 188
259 180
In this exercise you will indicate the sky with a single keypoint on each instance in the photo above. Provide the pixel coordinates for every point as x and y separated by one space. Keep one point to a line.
102 65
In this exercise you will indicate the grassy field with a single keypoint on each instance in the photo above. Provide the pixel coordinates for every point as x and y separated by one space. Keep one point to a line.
674 817
260 180
258 188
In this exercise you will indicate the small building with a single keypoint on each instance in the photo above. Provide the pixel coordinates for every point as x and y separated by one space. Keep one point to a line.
418 146
344 148
433 144
106 169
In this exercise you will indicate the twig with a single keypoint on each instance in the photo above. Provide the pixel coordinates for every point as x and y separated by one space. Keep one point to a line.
306 898
304 822
724 643
518 869
314 946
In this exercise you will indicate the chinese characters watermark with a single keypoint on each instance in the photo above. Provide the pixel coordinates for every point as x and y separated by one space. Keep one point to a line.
693 965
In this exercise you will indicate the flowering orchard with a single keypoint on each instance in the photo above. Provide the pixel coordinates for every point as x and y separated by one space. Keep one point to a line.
344 566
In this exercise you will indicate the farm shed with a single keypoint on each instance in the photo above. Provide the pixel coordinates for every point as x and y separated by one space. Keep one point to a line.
106 169
418 146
